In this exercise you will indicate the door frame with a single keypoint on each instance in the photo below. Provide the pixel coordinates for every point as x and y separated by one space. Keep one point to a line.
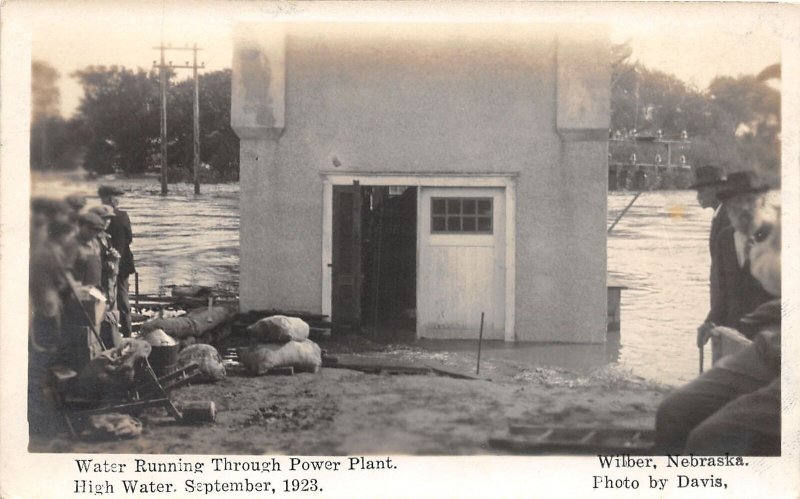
507 181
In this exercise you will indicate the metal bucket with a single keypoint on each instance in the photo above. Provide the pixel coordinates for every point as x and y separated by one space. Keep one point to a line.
164 359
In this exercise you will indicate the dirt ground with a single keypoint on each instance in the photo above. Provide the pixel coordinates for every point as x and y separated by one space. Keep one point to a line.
344 412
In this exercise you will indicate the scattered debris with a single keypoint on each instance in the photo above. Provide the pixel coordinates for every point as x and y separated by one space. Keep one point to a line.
300 417
111 426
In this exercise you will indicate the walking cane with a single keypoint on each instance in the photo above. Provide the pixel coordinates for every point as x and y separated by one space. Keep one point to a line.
701 357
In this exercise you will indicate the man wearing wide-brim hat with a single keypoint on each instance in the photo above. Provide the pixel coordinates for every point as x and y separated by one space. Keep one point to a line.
739 292
735 407
121 238
709 179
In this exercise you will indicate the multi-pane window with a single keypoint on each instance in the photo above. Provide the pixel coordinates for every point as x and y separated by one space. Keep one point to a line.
461 215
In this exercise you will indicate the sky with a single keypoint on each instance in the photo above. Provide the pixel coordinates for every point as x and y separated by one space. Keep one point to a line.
695 48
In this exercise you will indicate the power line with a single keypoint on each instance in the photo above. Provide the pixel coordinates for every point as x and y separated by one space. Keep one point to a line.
163 76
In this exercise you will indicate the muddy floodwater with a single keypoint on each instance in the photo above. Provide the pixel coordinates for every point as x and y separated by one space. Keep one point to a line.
659 250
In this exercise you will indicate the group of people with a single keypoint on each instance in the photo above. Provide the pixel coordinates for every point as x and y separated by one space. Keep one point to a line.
74 250
735 406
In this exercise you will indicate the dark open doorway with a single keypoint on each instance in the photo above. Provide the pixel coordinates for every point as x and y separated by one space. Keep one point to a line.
375 258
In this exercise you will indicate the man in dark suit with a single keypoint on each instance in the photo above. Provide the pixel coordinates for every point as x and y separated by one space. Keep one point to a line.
708 181
121 237
739 293
736 406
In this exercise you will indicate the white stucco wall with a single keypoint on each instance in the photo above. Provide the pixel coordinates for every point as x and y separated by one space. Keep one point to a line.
524 99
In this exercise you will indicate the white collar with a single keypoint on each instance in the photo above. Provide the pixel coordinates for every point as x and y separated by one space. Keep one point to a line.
740 242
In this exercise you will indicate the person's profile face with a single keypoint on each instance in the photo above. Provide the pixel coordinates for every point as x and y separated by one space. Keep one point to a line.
707 196
110 200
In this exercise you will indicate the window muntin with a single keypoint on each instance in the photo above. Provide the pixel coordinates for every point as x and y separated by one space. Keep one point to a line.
461 215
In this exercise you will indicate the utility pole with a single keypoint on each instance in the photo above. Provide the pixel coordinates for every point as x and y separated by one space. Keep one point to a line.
196 113
196 127
162 75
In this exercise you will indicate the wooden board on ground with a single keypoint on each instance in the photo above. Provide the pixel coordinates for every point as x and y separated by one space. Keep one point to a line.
530 439
377 365
445 371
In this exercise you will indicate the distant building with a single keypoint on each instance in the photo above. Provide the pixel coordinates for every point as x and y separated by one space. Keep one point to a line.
429 172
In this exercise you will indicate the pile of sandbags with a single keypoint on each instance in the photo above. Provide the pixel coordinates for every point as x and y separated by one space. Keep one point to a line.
283 342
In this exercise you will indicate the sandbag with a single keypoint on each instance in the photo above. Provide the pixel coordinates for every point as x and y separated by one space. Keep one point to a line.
197 322
207 358
303 356
158 338
279 329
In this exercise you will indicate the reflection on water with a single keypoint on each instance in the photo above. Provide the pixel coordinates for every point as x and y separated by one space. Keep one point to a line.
179 238
659 250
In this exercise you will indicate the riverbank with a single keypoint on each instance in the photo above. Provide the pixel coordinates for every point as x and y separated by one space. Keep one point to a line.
342 411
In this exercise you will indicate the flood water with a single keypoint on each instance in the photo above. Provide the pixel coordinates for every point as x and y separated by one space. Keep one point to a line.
659 250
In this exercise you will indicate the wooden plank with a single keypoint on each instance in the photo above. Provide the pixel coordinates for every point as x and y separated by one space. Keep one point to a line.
373 365
527 446
451 373
516 427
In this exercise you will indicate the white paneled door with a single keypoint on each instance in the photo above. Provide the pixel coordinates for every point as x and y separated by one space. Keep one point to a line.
461 269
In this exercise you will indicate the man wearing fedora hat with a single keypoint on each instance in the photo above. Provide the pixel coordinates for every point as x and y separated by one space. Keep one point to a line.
735 407
738 292
121 238
708 181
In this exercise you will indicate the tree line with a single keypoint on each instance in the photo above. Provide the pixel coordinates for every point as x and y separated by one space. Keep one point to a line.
734 123
116 127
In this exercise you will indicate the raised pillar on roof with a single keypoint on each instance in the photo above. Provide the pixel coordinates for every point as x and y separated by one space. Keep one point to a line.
258 104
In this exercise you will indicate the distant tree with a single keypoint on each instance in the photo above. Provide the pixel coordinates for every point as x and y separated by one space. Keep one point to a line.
735 123
748 113
45 115
219 145
119 112
45 95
